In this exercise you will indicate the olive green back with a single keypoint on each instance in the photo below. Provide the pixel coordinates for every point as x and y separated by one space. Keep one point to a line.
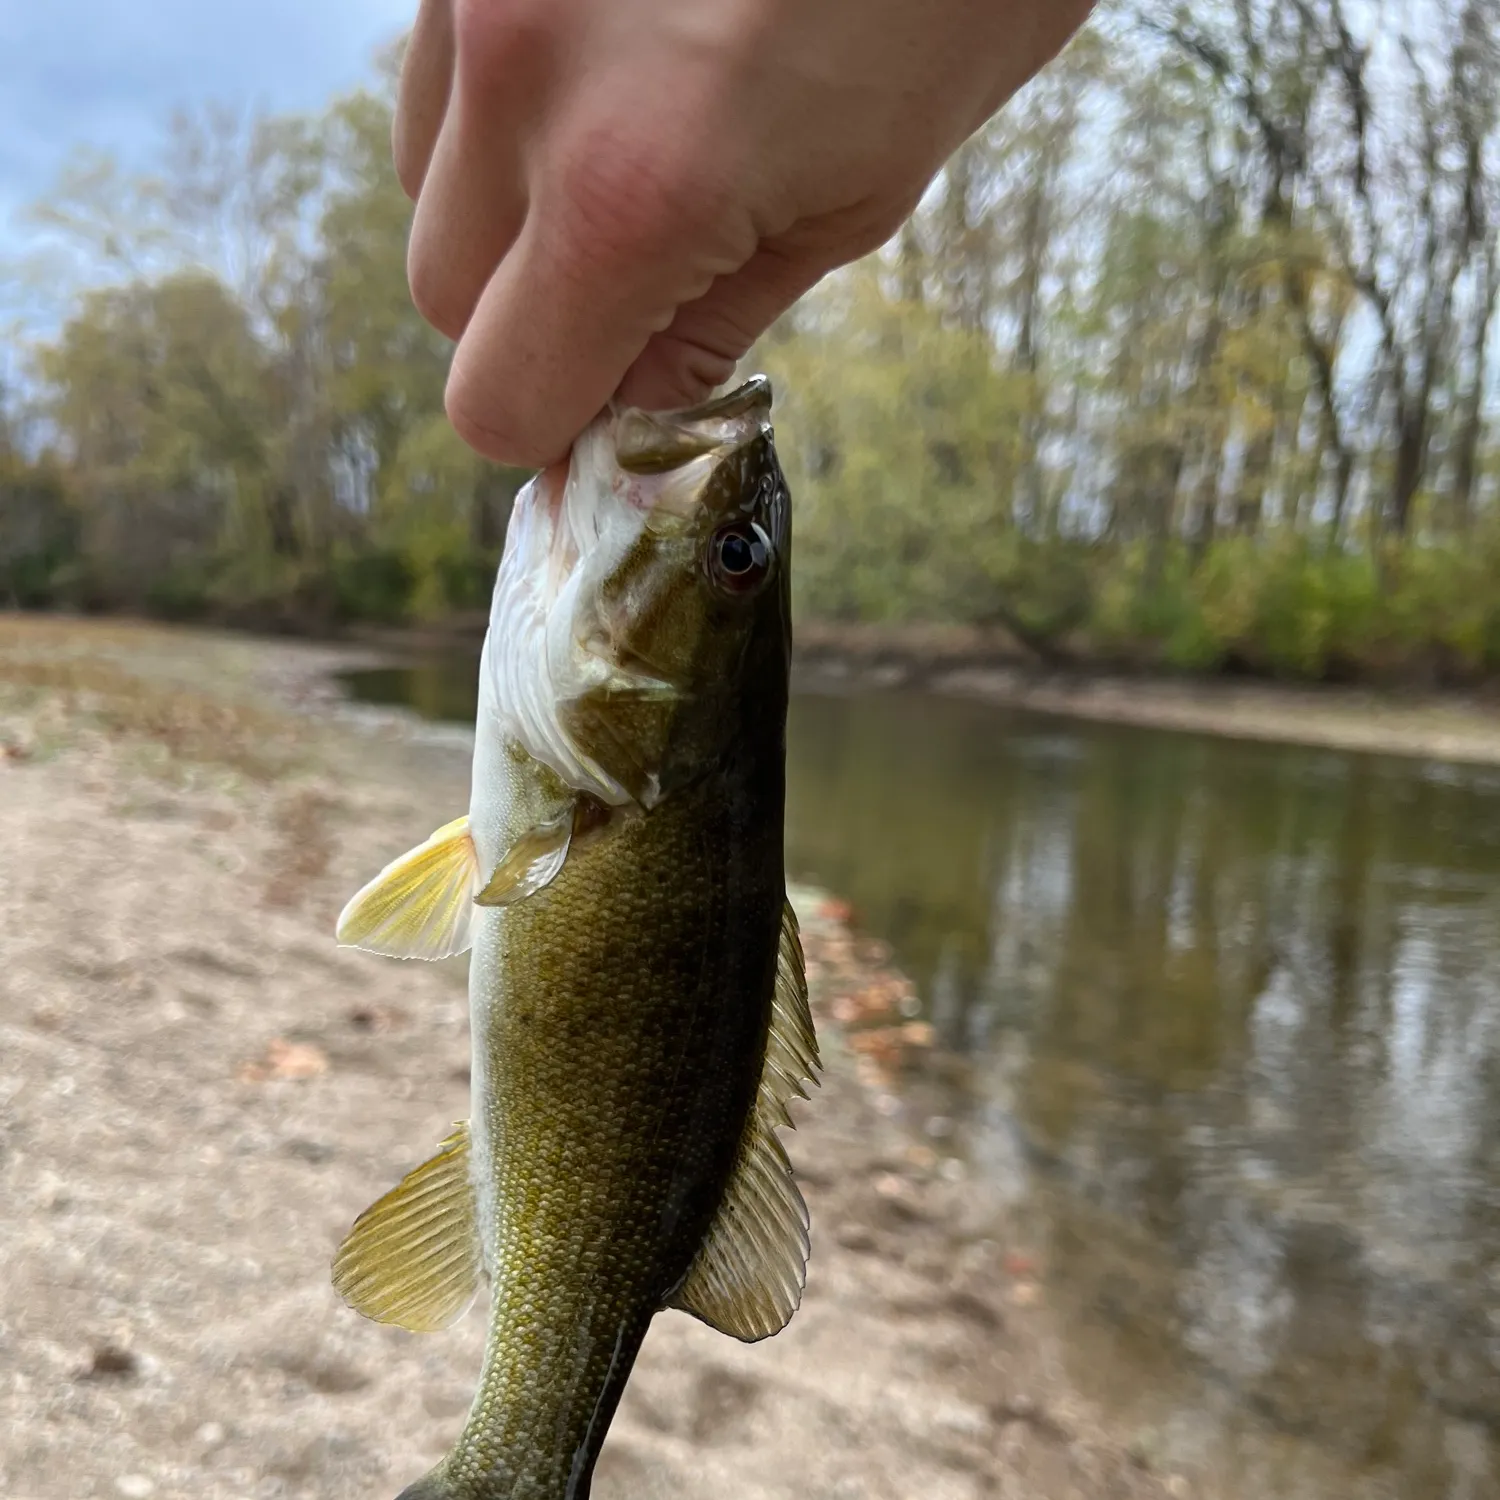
620 1070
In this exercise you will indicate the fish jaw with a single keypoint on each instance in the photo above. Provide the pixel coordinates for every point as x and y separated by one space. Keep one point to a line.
633 478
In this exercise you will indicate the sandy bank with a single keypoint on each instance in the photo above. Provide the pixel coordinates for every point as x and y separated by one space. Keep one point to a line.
198 1091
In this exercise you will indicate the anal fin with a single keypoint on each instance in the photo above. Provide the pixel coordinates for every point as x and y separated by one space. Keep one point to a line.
413 1257
748 1276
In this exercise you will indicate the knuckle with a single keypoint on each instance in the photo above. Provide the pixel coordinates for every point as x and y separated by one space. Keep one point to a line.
695 367
619 197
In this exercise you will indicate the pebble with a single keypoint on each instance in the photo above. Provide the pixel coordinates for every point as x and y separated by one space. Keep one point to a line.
961 1417
134 1486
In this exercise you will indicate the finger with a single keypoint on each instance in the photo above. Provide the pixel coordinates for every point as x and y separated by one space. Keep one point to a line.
426 77
707 338
472 206
617 244
474 199
684 363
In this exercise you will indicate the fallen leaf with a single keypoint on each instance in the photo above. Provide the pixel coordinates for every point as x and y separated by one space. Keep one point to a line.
110 1362
286 1059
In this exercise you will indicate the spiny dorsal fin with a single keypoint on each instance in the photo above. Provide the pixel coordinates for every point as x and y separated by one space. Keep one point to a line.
413 1258
531 862
421 905
748 1276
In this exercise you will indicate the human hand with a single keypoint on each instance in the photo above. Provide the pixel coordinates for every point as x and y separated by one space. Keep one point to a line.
617 197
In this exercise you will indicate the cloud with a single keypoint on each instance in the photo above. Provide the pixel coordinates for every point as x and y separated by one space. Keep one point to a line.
105 74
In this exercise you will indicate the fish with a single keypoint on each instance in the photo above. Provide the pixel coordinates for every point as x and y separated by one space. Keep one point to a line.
638 1002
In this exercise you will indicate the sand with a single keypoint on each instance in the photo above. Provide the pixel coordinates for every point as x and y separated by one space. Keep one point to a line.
199 1090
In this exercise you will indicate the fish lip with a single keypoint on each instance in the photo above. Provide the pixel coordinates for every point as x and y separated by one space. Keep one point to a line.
659 442
754 395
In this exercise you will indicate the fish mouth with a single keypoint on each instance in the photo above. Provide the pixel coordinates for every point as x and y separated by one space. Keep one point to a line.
659 442
657 466
638 485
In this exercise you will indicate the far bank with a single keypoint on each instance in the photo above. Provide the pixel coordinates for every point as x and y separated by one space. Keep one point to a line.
1412 719
1422 720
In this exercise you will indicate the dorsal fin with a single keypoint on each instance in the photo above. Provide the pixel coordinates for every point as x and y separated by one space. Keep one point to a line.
748 1276
413 1257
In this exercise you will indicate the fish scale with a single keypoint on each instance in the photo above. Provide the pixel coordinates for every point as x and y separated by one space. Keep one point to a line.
639 1014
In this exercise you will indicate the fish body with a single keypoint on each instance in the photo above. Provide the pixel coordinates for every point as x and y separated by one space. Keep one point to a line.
638 1011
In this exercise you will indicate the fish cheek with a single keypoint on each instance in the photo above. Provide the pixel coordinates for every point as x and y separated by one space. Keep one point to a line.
651 611
625 733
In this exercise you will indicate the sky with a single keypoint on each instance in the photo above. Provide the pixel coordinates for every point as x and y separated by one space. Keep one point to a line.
107 73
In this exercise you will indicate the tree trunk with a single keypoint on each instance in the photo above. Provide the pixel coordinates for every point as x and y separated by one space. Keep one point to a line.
1471 415
1343 475
1411 446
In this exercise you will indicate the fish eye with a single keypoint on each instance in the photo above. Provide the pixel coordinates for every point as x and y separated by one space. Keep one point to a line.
739 556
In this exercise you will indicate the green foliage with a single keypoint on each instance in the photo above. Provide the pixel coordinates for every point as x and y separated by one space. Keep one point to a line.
38 530
898 515
1100 392
372 584
248 409
180 593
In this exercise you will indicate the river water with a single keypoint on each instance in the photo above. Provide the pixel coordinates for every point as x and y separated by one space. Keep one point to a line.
1230 1016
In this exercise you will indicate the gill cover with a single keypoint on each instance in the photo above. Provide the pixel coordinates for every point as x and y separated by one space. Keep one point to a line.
627 591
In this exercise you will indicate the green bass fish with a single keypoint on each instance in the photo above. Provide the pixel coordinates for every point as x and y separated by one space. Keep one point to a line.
638 1006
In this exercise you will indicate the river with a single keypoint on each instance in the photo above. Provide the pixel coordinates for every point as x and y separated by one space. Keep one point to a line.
1229 1022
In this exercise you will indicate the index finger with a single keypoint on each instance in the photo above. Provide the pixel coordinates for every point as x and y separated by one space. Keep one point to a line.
612 246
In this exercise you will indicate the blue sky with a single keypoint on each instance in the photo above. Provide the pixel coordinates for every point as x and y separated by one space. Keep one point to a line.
107 73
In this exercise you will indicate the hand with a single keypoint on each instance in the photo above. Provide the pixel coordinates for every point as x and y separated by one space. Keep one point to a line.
620 196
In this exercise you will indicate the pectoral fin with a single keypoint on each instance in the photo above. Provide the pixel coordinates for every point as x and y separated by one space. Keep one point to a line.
531 863
421 905
748 1277
413 1257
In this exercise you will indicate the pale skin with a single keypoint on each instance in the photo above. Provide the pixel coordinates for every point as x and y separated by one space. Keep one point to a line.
615 198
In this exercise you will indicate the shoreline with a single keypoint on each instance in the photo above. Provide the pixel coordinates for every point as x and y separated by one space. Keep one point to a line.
1451 724
247 1087
1454 724
1434 727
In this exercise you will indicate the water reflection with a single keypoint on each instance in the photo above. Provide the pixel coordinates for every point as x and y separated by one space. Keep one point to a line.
1233 1018
1240 1004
